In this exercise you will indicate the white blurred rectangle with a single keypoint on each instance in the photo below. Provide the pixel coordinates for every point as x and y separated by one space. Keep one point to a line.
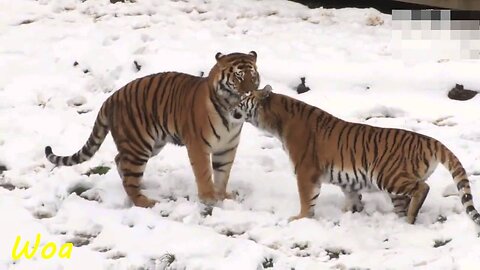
435 34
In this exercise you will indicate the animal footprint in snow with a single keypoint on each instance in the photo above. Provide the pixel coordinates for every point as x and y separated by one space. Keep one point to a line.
444 121
450 190
102 249
301 249
264 134
335 253
381 112
267 163
84 238
44 211
76 101
267 145
110 40
164 261
115 255
42 100
79 241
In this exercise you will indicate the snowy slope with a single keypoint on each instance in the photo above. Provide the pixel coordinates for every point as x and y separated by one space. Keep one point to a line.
60 59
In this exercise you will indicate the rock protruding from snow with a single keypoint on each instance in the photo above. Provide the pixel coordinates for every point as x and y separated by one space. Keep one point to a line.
302 88
77 101
460 93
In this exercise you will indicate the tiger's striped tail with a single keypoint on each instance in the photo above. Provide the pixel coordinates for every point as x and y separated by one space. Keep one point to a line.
97 136
451 162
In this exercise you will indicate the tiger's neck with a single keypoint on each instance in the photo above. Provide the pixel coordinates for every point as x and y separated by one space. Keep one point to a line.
223 98
269 117
281 114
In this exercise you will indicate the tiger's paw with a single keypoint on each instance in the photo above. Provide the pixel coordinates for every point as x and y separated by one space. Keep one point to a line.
142 201
411 219
207 198
300 216
226 195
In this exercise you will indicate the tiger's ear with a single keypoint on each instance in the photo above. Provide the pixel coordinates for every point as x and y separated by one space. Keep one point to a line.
267 88
262 94
254 54
219 56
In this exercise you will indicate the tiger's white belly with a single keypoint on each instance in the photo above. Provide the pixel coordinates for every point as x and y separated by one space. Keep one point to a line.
349 181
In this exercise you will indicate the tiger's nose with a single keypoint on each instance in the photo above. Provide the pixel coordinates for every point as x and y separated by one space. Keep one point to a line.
250 82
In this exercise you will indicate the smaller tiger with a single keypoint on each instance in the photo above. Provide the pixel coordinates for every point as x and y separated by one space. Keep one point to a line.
357 157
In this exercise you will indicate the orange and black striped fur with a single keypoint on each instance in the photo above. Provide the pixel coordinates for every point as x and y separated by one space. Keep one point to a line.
176 108
325 149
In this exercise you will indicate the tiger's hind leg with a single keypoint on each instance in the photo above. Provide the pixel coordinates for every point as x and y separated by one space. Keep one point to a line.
400 204
353 201
416 190
418 195
131 171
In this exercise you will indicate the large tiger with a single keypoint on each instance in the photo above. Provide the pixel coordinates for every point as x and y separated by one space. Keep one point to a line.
178 108
354 156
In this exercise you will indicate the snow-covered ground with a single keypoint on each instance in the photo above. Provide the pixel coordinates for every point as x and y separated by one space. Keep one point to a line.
60 59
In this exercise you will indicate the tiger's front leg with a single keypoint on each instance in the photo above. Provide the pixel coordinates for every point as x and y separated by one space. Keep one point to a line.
222 162
200 161
308 190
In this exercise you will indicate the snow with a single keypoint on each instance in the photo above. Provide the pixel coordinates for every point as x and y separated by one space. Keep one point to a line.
61 59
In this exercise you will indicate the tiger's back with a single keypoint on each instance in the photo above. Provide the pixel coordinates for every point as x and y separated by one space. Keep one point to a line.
155 106
354 156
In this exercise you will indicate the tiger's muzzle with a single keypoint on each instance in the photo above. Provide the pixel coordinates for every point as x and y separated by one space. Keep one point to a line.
249 83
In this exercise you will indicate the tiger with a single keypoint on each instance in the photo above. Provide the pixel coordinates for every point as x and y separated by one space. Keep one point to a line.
171 107
357 157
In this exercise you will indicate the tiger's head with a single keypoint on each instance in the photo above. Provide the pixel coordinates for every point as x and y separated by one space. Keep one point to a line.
248 108
234 75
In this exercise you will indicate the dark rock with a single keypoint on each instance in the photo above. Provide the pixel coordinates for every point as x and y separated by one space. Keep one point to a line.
8 186
206 211
335 253
439 243
267 263
302 88
83 111
27 21
441 219
100 170
78 189
459 93
138 67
